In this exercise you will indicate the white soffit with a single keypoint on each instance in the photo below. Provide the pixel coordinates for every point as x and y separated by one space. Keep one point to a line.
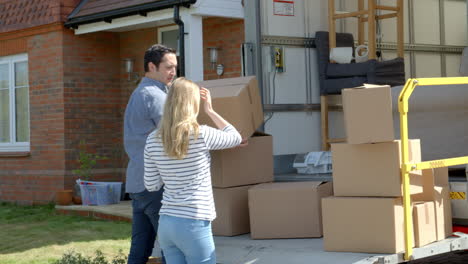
152 19
219 8
213 8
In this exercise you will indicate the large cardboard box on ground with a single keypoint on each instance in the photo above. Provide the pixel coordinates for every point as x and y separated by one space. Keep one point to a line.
373 169
238 101
368 114
287 209
232 210
243 166
363 224
436 188
424 223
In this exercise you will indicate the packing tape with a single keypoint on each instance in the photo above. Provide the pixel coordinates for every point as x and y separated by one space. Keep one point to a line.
362 53
341 54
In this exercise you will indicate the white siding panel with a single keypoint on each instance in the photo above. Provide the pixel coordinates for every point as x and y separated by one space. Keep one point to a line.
453 65
455 22
427 65
426 22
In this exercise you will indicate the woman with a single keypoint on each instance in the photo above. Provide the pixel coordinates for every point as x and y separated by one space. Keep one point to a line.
177 156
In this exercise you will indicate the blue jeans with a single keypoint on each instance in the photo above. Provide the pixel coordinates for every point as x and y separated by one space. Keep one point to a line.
186 241
145 221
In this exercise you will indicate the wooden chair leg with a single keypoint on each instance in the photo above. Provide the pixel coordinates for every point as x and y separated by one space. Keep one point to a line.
324 122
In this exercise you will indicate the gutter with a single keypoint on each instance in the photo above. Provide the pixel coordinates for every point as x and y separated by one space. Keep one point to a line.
74 22
181 47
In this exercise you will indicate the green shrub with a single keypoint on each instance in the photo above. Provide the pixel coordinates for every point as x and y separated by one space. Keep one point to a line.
76 258
87 160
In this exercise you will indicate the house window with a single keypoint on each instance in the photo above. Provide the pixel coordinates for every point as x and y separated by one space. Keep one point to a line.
14 103
169 37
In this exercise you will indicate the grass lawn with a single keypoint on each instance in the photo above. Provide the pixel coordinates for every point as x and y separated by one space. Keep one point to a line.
37 235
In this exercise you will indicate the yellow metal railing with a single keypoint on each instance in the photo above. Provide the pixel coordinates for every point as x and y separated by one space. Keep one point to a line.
407 167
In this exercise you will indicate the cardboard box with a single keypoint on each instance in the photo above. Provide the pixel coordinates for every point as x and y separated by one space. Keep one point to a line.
238 101
368 114
232 210
373 169
244 166
287 209
436 189
363 224
424 223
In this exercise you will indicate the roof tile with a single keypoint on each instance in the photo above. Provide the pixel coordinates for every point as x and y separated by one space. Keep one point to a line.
99 6
21 14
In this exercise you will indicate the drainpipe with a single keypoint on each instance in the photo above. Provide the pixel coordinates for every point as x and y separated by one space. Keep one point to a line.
180 23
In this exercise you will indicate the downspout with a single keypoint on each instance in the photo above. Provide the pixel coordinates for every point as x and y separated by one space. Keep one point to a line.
181 43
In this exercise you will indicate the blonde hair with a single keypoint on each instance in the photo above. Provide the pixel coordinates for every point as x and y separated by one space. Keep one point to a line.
179 120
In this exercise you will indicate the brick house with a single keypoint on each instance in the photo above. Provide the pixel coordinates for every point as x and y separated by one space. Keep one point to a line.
63 79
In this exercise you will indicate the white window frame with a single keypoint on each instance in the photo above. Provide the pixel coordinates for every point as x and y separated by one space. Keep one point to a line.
165 29
14 146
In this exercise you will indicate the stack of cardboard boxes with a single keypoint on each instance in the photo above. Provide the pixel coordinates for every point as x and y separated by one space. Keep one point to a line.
245 196
366 213
234 171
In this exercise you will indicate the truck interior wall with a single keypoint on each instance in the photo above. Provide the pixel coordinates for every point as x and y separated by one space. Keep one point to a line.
293 132
427 23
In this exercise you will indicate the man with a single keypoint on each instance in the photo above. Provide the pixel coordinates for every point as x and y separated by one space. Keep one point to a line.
142 115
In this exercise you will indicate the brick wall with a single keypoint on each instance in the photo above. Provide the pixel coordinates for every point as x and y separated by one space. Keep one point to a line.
75 94
228 35
93 105
22 14
35 178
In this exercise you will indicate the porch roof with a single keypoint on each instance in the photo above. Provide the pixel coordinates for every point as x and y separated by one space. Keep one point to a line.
90 11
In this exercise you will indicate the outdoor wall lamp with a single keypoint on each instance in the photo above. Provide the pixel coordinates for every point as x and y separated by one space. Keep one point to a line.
129 63
213 56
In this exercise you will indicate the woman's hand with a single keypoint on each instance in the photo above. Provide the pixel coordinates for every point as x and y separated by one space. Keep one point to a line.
244 143
206 98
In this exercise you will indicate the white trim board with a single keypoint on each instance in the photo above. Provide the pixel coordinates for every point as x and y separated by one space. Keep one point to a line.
219 8
156 18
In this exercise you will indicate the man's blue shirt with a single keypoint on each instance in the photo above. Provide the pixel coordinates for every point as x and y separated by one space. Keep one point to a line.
142 115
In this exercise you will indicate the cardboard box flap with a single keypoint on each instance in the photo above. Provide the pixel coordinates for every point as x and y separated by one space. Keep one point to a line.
226 91
226 81
368 86
288 185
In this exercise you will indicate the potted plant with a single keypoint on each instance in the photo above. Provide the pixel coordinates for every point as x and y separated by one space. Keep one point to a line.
87 161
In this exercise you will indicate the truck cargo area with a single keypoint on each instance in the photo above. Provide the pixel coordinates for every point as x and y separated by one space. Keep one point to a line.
243 250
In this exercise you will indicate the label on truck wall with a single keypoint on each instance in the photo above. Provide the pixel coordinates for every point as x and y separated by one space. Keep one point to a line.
283 8
458 195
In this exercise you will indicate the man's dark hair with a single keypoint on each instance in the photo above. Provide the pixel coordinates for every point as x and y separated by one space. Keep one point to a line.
155 55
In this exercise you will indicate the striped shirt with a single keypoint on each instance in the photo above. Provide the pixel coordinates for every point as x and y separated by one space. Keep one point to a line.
187 182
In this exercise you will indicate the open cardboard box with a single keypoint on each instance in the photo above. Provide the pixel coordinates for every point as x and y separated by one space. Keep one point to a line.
238 101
